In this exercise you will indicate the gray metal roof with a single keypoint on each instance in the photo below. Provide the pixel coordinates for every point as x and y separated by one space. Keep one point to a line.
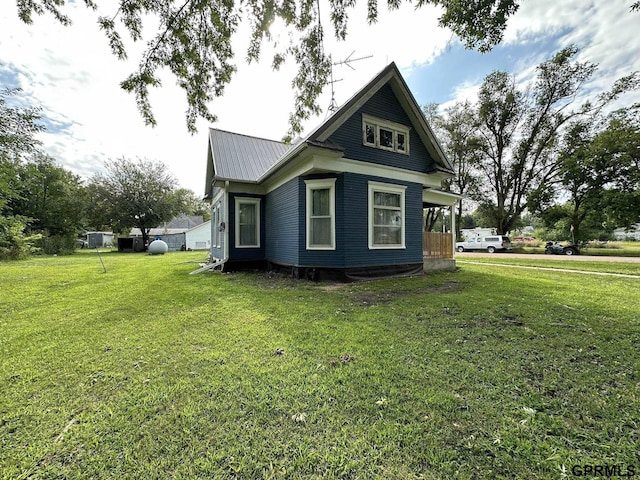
241 157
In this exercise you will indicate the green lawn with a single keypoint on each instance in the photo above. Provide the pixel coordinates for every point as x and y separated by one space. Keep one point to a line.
613 249
148 372
557 262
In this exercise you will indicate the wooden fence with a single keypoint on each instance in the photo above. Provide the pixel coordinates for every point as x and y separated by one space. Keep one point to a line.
437 245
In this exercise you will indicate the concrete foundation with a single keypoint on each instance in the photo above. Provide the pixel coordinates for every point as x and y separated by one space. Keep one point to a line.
438 264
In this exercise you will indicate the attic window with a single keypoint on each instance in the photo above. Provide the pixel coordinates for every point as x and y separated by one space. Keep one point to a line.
385 135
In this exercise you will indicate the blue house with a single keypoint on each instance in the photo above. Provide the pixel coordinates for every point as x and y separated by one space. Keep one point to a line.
347 200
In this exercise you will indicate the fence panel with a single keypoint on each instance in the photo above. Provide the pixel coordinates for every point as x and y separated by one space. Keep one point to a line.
437 245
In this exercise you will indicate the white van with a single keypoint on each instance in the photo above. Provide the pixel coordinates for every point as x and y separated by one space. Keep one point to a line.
491 244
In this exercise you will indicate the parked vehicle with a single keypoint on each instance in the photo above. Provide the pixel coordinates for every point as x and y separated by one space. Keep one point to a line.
554 248
491 244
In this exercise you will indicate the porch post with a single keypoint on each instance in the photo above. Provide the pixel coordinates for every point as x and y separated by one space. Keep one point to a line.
453 231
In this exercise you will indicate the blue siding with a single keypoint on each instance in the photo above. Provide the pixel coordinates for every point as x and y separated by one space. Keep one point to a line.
245 253
283 229
352 227
384 105
323 258
356 224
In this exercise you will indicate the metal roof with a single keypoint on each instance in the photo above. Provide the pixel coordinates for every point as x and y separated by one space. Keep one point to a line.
241 157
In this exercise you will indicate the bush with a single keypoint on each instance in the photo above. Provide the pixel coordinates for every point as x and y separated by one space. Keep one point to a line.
14 243
56 244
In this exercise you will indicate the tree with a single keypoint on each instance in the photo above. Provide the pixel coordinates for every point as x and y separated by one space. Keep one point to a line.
194 41
456 129
140 194
599 167
193 204
18 127
52 198
519 130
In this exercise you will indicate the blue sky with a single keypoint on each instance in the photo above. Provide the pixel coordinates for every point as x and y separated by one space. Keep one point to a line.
70 73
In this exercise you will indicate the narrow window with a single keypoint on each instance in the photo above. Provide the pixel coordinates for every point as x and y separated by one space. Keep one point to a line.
321 214
401 143
215 223
369 134
247 222
386 216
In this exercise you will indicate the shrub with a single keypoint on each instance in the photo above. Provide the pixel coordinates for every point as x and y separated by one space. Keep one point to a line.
14 243
56 244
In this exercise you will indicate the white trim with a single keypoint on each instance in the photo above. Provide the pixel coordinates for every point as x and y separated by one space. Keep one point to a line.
388 188
440 197
381 124
321 184
247 200
319 163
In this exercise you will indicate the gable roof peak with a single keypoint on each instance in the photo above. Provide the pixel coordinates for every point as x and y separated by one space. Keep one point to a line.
389 75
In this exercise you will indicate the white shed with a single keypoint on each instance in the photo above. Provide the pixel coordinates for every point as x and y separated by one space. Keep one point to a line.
199 237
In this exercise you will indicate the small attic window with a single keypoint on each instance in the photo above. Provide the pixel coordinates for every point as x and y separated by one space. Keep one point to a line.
385 135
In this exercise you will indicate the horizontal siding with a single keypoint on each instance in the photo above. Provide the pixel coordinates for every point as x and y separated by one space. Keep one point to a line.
283 223
352 228
323 258
356 227
245 253
383 105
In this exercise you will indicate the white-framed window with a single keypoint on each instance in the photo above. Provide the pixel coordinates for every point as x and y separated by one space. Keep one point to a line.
386 215
247 222
321 214
385 135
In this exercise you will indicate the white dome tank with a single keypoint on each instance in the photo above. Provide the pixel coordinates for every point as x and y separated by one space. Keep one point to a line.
158 247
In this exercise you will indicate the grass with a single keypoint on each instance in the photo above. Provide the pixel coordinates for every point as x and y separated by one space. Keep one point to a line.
593 248
147 372
558 262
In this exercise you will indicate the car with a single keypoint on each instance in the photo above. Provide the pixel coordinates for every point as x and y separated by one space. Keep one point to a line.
554 248
491 244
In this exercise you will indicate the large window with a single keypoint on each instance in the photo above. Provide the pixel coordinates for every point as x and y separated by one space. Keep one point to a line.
321 214
385 135
386 215
247 222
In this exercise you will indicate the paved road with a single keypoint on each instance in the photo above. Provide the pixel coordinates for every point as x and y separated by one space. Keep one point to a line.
576 258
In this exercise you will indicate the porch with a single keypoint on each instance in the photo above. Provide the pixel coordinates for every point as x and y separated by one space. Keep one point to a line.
437 251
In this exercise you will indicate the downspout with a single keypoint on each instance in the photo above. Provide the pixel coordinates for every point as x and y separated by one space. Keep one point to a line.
453 230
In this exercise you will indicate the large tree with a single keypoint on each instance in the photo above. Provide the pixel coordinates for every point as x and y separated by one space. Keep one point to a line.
193 41
456 128
139 193
52 197
519 128
18 128
600 172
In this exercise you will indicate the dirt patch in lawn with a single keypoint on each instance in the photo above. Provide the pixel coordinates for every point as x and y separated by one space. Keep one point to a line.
371 298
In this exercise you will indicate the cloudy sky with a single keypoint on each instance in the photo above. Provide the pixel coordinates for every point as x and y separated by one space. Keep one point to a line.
70 73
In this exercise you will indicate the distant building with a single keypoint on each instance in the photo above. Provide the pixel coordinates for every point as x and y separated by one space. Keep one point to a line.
99 239
477 232
199 237
173 232
632 233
